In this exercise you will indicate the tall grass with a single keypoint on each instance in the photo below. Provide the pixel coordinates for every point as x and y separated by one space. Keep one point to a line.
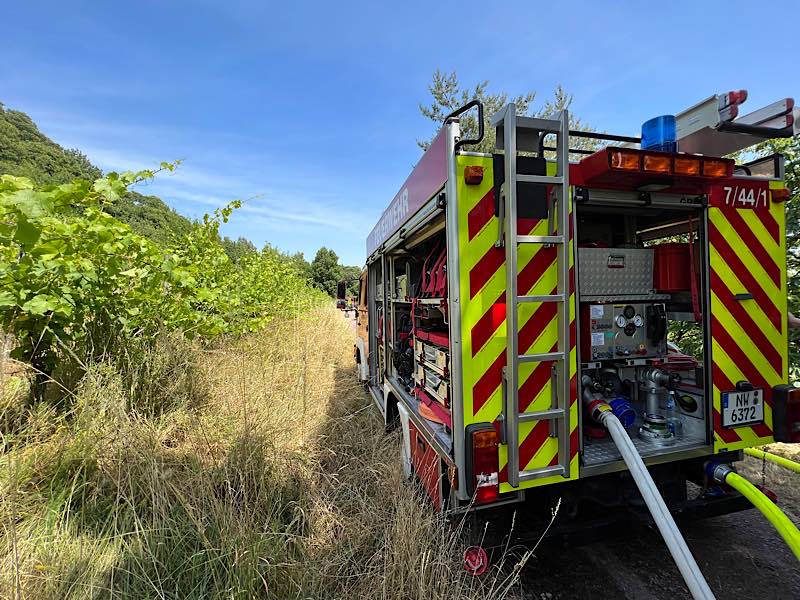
255 468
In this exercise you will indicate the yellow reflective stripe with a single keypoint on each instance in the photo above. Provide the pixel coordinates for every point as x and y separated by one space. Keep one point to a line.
723 270
743 251
748 346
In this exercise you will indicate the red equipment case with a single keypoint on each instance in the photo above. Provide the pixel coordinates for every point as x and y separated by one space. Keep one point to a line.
672 267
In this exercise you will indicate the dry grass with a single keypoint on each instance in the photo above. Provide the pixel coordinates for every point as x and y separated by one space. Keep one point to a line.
256 469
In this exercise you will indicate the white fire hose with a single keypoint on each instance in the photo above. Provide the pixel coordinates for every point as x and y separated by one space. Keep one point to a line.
698 586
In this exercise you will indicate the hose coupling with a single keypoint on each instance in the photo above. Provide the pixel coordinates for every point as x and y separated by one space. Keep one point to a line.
718 471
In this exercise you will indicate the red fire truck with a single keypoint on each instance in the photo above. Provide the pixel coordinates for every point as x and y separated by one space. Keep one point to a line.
516 309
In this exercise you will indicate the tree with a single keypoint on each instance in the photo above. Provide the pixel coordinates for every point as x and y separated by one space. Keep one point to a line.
448 95
239 248
298 260
351 275
325 271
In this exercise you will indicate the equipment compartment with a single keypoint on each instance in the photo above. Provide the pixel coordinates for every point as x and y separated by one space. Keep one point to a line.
634 279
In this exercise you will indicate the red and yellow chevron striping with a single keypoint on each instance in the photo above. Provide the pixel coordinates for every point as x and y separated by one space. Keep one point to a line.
483 312
748 306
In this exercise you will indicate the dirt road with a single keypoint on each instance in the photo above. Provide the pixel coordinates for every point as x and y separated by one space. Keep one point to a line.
741 556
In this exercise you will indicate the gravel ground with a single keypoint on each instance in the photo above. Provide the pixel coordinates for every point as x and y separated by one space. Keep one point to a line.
741 555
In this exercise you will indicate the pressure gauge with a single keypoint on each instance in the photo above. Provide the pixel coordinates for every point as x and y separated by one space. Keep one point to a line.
638 320
620 321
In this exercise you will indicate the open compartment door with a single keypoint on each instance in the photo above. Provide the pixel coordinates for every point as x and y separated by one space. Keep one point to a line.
747 317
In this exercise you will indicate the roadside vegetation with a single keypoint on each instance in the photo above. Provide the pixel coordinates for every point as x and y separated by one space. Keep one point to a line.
180 417
259 469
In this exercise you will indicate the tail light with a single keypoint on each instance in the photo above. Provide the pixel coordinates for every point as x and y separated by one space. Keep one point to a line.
786 413
483 480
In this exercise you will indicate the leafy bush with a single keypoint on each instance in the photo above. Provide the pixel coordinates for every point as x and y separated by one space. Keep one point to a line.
76 283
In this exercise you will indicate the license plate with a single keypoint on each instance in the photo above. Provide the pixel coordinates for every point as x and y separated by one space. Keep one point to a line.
742 408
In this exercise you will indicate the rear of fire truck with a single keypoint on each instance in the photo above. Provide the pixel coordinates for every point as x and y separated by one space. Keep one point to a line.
517 312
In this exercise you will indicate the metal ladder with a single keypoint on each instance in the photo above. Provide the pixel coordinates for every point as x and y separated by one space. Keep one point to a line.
515 133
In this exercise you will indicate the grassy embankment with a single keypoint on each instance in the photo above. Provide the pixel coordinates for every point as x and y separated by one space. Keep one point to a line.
260 469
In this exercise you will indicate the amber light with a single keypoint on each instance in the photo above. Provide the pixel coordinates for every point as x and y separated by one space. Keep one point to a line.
781 195
473 174
715 168
627 161
687 166
656 163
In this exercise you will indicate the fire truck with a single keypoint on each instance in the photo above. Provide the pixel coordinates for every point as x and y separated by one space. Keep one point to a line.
517 308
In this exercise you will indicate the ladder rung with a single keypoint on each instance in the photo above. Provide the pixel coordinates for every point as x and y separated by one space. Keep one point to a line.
542 415
542 298
545 179
540 239
539 473
544 356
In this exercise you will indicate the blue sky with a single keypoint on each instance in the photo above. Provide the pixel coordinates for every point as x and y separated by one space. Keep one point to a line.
310 109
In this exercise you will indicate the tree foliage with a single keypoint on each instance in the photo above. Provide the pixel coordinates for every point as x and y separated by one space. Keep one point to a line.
76 283
325 271
238 249
27 152
448 94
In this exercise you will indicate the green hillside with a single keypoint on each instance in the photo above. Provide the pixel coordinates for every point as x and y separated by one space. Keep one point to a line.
27 152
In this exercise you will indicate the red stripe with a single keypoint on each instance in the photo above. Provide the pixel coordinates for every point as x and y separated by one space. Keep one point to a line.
534 326
490 322
492 378
769 222
480 214
746 322
761 430
535 268
751 241
488 383
494 257
745 276
573 448
537 380
534 383
534 440
729 436
493 318
740 359
484 269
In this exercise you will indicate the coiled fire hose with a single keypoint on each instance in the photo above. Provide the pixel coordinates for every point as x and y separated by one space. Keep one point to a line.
725 474
774 458
697 584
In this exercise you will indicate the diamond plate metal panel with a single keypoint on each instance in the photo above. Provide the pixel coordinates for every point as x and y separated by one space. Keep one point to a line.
615 271
604 451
